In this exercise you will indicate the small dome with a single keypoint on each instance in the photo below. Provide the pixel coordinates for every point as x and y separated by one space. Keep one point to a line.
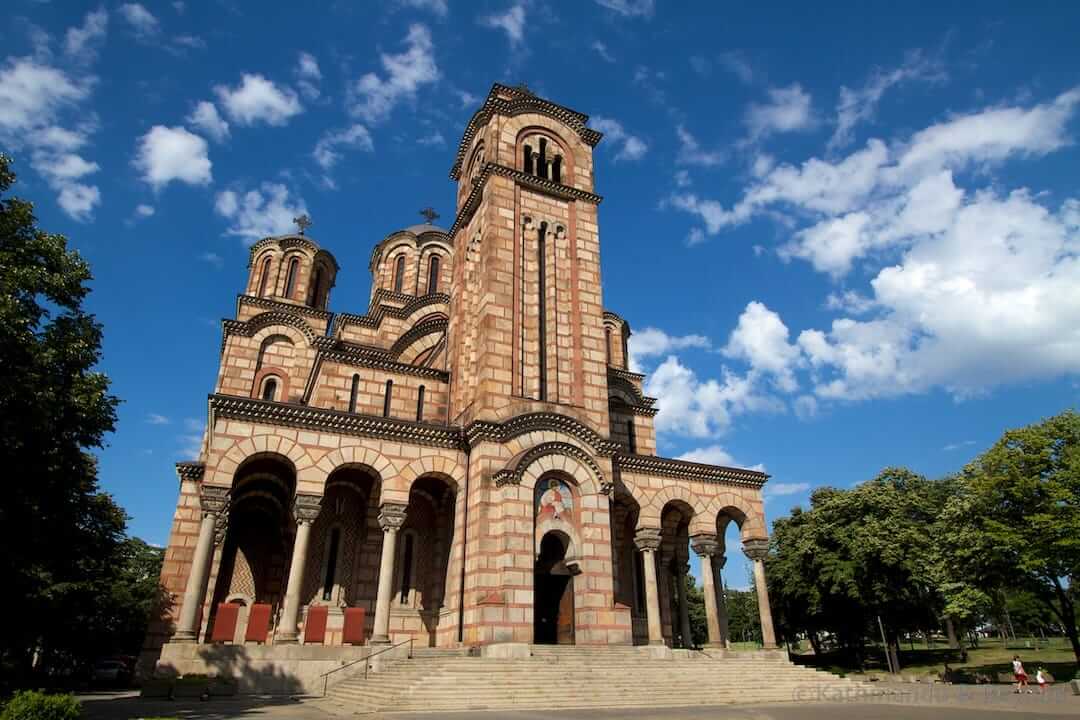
423 228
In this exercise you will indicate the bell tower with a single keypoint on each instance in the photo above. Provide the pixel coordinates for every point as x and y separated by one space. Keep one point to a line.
526 329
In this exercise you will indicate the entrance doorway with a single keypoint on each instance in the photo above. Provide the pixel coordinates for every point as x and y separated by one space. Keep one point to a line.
553 594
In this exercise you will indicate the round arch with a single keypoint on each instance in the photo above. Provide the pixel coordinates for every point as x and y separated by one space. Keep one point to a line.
243 450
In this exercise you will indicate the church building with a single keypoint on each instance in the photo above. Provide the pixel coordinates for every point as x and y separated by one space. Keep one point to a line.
470 463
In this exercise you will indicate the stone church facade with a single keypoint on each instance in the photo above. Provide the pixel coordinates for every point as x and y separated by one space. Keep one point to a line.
468 463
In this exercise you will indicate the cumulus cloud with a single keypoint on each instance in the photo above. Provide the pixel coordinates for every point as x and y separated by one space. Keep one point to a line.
258 213
629 8
717 455
327 151
375 96
511 21
167 154
156 419
630 146
83 41
205 117
761 339
788 109
257 99
691 152
142 21
772 490
308 75
652 342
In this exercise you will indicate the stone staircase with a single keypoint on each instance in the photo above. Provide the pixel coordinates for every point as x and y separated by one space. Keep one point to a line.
578 677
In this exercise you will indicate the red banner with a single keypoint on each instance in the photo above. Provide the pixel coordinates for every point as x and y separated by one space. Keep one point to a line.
225 622
315 624
353 634
258 623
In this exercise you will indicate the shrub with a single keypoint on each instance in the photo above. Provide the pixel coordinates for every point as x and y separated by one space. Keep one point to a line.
35 705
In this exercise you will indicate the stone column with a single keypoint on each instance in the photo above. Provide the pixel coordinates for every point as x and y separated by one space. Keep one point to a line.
706 546
721 601
213 501
305 510
682 569
648 541
757 550
391 518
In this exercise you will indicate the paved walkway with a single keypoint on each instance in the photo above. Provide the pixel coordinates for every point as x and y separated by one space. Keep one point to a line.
910 702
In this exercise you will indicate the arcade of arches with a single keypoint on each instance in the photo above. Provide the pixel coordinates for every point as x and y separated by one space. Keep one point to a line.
471 461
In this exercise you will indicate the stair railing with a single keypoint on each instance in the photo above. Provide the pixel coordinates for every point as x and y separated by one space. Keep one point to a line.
326 675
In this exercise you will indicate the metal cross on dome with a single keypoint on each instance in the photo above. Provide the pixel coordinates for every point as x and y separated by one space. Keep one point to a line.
430 215
303 222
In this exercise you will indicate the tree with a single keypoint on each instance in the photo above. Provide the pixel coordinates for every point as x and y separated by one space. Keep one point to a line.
695 604
744 622
56 528
1017 517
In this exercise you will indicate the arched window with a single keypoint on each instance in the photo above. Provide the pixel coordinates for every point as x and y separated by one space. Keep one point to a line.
527 167
607 344
331 564
264 278
556 169
313 291
420 405
270 389
290 279
352 393
541 163
406 568
541 309
625 353
433 274
386 399
399 273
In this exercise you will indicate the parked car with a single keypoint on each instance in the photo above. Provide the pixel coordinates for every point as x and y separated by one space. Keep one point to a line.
110 672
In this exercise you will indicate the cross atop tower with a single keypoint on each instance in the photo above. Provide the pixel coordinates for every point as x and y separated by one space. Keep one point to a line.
303 222
430 215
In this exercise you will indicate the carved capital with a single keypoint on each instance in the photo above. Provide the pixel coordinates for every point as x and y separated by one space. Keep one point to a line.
221 528
391 516
705 545
306 508
756 549
647 539
213 499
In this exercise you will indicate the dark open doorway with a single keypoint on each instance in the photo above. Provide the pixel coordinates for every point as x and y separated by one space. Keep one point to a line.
553 594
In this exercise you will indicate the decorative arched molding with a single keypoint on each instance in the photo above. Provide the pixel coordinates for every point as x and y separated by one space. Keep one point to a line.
278 373
445 468
731 508
415 333
271 319
528 467
409 312
230 460
291 242
651 513
381 468
503 432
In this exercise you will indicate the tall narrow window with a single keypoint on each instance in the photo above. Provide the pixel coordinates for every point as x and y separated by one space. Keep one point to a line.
406 568
607 344
386 400
352 393
270 389
264 278
556 169
420 405
625 354
541 309
313 291
399 273
541 162
331 564
631 438
528 165
290 279
433 274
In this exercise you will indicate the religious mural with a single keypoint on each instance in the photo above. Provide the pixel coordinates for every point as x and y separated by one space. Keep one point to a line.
554 500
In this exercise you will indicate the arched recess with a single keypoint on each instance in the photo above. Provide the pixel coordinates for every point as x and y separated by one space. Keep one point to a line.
673 566
751 525
528 467
627 569
240 450
380 466
554 603
436 465
651 512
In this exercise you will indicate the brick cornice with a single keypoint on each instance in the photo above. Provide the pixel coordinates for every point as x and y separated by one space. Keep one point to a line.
190 470
374 318
248 328
513 473
406 234
417 331
501 432
686 470
268 304
619 372
286 242
520 101
336 421
361 356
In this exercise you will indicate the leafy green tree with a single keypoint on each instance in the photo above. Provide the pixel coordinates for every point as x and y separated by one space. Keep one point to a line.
744 623
695 603
1017 518
56 528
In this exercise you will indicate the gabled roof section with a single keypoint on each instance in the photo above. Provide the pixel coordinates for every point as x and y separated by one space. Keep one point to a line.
510 101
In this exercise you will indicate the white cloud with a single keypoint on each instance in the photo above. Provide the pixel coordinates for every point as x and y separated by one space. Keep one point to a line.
165 154
308 75
772 490
213 258
511 22
376 96
858 106
432 139
849 301
82 42
155 419
805 406
629 8
788 109
652 342
717 455
761 339
602 50
180 43
31 94
957 445
257 99
144 211
327 150
467 98
259 213
738 65
205 117
439 7
630 146
79 200
141 20
691 152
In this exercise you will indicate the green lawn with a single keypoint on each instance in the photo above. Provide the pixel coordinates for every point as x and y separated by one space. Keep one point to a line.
990 658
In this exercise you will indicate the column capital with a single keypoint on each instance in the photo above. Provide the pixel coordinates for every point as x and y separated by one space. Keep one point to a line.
392 516
221 528
306 507
647 539
705 545
756 549
213 499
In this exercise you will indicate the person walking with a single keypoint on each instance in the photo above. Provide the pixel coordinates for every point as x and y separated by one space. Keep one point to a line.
1040 677
1020 675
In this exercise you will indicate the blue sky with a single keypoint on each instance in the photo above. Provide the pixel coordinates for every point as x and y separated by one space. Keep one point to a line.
846 236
